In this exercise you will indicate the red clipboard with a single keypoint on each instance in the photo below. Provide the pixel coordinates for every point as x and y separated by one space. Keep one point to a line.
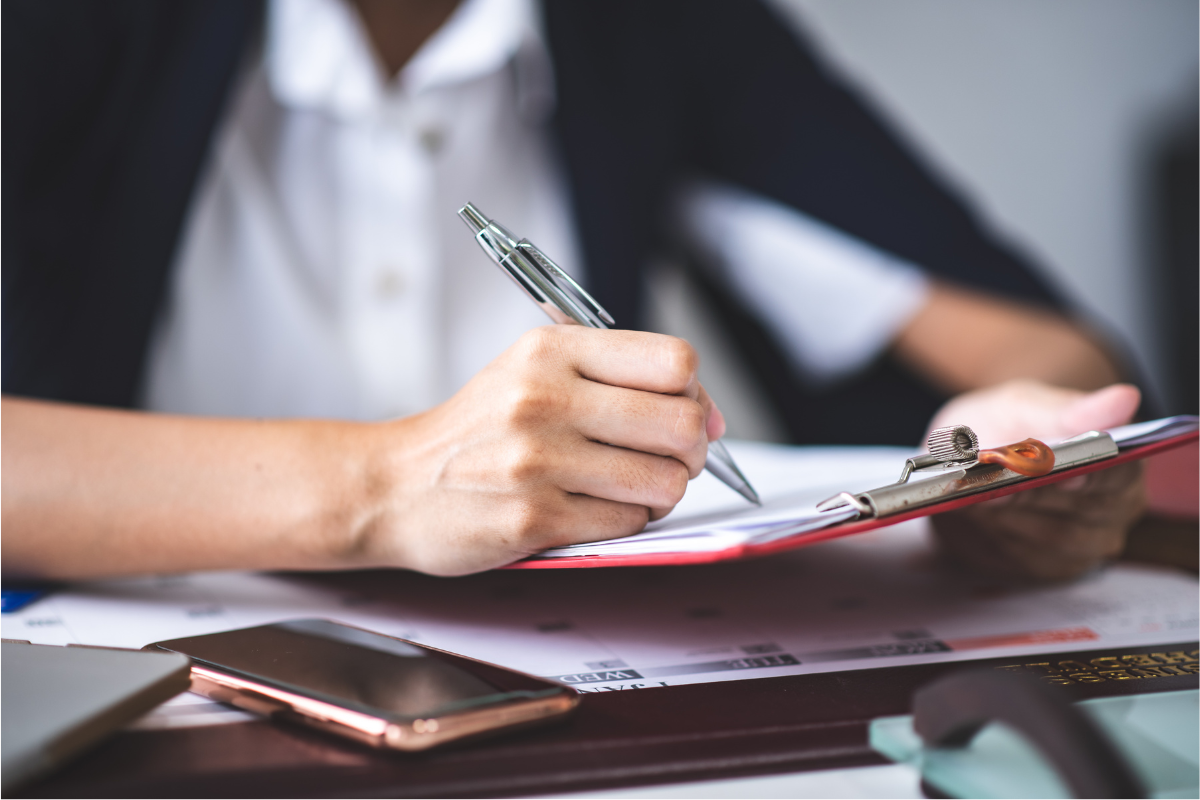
849 528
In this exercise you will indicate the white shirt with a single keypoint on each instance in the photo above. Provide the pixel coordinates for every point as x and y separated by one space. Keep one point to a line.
834 301
323 270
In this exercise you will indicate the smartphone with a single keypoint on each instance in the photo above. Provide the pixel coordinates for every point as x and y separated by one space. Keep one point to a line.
385 692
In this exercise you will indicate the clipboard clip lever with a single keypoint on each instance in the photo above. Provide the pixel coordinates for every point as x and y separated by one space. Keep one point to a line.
955 446
966 469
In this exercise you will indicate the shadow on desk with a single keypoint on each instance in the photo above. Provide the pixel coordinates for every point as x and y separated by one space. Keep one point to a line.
1168 541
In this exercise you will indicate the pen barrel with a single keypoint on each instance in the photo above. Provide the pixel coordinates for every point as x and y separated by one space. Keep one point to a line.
566 302
541 290
502 248
543 281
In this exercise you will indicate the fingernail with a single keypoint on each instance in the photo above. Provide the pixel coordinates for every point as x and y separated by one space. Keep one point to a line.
1104 408
716 424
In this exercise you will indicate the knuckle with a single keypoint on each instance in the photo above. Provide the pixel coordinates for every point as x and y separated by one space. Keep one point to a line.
651 480
689 424
659 483
541 343
619 519
529 525
522 466
673 482
633 519
527 403
680 362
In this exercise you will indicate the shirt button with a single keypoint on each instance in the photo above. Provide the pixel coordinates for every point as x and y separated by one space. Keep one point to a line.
389 284
432 140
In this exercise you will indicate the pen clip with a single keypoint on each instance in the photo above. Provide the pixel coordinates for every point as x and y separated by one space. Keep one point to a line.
546 283
567 287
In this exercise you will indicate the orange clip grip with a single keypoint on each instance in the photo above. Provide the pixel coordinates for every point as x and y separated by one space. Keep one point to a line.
1030 457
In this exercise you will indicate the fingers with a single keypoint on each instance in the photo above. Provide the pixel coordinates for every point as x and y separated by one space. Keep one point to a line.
522 528
649 362
564 519
1023 543
572 435
1111 495
595 520
1017 558
1107 408
576 519
1009 412
661 425
624 476
1051 533
639 390
1012 411
715 427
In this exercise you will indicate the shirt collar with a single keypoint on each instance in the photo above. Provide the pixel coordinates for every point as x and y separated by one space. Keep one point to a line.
318 56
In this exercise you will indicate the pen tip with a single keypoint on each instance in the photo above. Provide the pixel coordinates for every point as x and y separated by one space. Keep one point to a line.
747 491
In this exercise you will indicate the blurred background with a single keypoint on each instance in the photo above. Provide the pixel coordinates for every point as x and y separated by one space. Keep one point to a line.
1071 126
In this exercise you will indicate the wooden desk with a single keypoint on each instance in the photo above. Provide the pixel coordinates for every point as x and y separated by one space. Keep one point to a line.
627 738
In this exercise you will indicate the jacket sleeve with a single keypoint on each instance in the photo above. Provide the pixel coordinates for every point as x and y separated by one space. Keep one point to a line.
766 115
109 111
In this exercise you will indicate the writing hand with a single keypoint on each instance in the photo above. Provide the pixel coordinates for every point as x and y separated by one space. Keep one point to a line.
572 435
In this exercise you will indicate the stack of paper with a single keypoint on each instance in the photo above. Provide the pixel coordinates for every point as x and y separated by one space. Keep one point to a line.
790 481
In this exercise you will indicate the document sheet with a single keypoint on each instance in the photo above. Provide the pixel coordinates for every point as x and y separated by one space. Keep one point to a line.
790 481
882 598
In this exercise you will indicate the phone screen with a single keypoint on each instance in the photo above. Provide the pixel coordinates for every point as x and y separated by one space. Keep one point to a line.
357 668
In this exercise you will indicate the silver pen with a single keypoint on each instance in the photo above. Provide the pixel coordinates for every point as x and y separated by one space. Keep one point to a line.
566 302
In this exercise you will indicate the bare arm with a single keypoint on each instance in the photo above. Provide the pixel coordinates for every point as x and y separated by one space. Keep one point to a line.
961 341
512 464
91 491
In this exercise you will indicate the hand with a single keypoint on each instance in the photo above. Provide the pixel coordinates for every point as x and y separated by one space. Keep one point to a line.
572 435
1054 532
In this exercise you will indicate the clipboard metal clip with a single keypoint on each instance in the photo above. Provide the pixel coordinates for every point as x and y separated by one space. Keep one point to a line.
949 447
957 467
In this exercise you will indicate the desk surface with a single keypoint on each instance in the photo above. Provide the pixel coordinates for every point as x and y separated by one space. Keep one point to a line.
882 780
631 738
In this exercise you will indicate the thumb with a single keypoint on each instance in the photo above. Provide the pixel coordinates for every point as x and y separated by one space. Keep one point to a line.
1111 406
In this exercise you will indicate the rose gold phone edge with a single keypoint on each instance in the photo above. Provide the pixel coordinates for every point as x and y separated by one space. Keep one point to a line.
379 732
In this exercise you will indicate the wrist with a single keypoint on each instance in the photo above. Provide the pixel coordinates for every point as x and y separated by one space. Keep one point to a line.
369 485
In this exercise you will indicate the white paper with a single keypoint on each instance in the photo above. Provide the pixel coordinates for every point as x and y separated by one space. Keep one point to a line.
1153 431
789 480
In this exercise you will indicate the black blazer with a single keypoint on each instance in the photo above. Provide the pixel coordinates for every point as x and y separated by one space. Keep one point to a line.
111 108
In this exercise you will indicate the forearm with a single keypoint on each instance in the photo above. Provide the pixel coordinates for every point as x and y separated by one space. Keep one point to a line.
962 341
92 492
572 435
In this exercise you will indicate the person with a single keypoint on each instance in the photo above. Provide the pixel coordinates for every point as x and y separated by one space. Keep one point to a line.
239 331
